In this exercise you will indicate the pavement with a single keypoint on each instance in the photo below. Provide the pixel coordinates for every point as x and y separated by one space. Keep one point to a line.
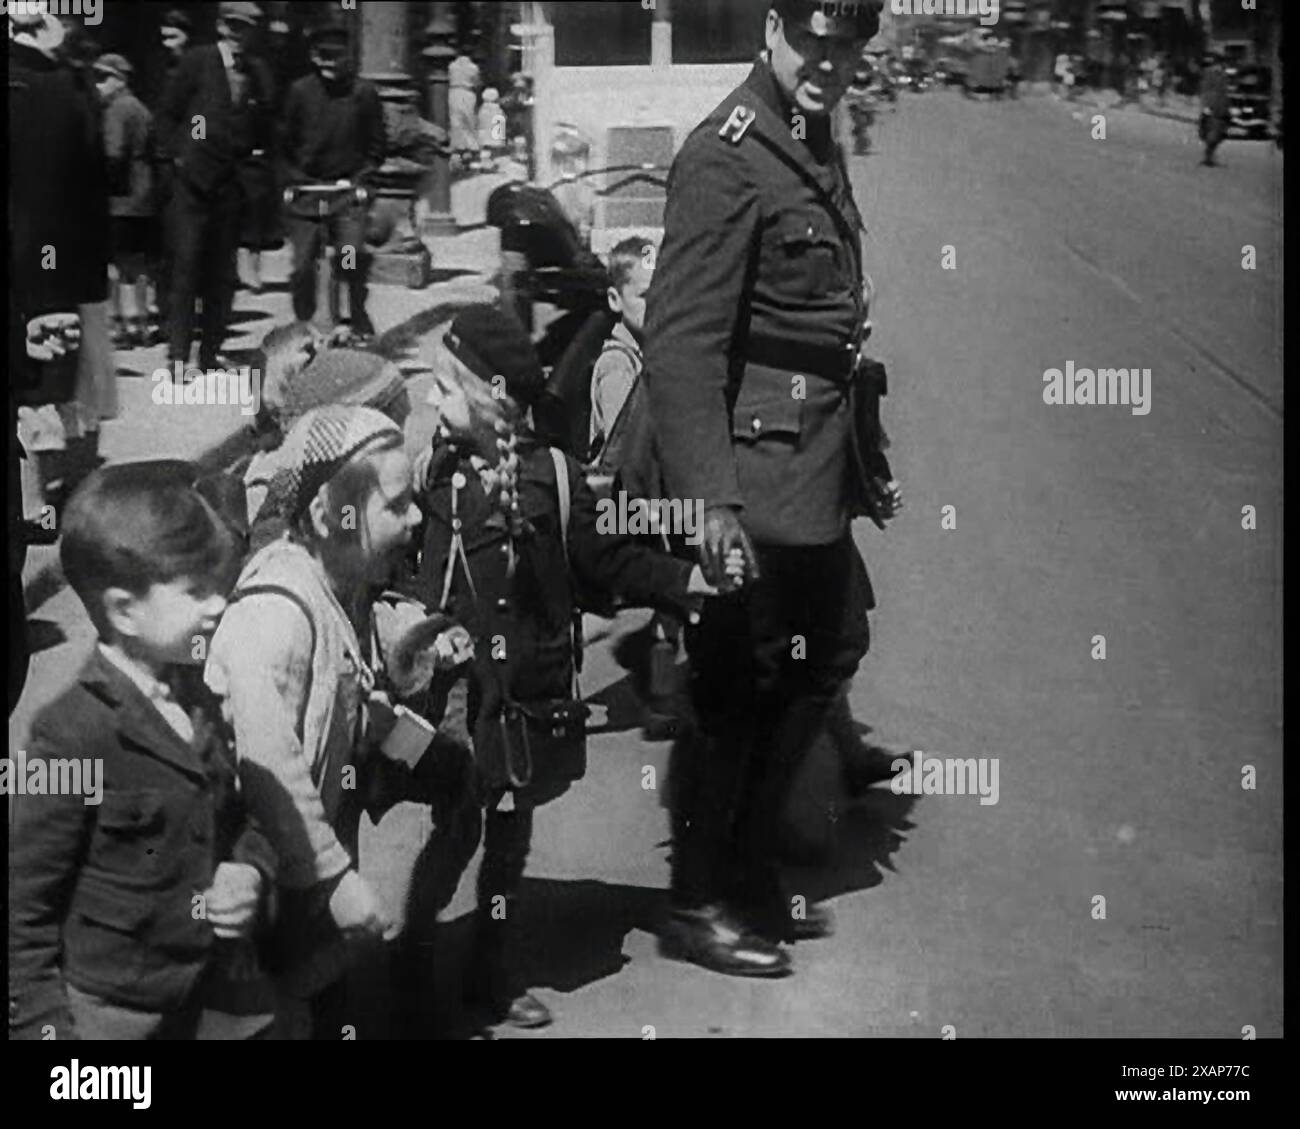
1125 883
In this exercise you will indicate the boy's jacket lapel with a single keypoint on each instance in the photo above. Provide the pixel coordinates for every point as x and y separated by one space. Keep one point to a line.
138 722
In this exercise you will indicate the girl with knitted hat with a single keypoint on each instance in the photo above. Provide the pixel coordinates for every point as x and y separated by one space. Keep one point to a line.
308 663
511 528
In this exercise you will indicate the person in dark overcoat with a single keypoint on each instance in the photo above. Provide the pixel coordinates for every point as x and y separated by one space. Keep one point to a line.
230 93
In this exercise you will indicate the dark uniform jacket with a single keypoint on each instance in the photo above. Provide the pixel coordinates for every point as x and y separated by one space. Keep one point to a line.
201 87
533 610
759 281
100 896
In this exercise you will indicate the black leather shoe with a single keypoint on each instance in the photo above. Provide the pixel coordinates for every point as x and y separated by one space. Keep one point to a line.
862 765
711 938
527 1012
816 923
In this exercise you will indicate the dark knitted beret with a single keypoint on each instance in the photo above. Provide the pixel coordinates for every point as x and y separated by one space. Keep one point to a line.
490 342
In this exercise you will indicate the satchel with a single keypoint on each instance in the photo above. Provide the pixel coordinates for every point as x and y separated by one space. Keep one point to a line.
519 744
527 743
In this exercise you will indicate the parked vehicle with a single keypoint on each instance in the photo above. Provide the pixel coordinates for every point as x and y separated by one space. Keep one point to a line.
988 70
1249 101
914 76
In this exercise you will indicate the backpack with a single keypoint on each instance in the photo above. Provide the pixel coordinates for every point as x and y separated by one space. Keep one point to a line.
570 384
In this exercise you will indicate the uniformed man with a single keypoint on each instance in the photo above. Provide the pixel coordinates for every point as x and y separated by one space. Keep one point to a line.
754 377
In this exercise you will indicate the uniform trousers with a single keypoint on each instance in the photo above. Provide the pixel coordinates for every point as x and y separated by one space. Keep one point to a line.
768 666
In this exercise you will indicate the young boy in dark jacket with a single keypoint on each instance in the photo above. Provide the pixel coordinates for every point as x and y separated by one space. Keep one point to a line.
130 850
500 558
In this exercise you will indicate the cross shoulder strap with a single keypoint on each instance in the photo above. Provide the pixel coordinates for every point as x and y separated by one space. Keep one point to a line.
301 604
563 490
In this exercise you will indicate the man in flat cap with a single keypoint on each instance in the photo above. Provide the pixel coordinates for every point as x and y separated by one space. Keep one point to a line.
763 409
228 92
333 133
129 145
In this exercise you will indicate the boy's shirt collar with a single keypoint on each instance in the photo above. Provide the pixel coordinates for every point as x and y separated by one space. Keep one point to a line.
159 693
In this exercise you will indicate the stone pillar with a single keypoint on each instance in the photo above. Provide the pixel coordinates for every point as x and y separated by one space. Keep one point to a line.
385 47
384 50
661 34
543 58
438 54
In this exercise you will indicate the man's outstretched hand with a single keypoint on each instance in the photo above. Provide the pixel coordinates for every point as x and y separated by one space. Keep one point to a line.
723 537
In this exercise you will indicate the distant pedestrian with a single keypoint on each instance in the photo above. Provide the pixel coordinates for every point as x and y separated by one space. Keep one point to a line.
230 92
1214 106
463 78
1061 72
174 32
491 126
129 145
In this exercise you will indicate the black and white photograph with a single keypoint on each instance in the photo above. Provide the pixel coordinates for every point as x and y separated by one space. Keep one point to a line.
647 519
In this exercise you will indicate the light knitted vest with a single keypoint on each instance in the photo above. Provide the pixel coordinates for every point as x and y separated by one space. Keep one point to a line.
339 678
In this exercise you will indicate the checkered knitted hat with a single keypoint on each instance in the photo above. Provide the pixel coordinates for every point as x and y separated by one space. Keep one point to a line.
318 446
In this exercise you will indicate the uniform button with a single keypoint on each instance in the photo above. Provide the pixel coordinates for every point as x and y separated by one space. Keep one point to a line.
455 523
757 424
505 549
503 604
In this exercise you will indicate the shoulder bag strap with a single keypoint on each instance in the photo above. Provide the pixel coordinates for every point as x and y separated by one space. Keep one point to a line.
564 492
294 598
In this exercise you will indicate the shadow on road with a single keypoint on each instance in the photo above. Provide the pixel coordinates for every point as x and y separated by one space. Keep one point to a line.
406 335
572 932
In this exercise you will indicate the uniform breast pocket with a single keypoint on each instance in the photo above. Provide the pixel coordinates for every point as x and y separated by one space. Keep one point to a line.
807 256
130 833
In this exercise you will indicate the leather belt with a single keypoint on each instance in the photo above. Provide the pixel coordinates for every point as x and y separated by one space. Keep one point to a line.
829 363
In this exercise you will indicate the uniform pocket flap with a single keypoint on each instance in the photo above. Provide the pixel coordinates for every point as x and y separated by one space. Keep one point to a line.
766 405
